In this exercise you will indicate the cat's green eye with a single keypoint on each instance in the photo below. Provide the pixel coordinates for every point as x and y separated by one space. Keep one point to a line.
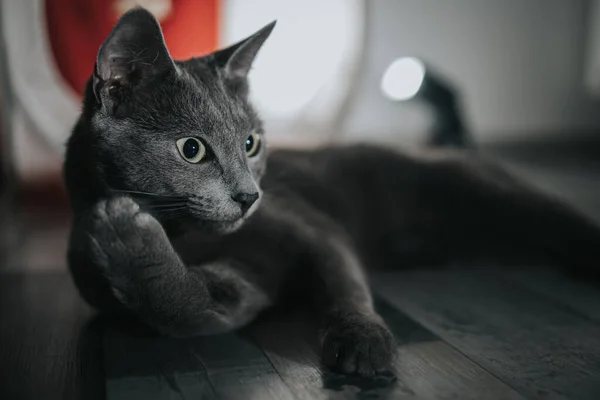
191 149
252 144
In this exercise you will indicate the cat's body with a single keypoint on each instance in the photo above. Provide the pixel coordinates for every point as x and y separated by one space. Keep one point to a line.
189 244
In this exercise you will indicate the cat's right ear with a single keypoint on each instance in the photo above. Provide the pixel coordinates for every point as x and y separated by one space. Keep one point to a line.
236 60
134 50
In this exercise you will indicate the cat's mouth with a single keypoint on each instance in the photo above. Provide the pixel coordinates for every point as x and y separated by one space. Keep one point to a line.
225 216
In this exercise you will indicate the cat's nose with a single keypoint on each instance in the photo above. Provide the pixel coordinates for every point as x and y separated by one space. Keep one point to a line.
246 200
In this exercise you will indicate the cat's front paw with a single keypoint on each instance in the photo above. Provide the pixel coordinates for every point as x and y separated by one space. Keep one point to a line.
126 240
359 344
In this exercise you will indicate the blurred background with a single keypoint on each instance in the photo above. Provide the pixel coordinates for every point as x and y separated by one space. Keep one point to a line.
517 80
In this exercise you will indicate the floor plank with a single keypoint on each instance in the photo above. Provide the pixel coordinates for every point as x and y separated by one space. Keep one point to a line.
433 369
576 297
50 348
492 339
541 350
225 366
238 369
144 366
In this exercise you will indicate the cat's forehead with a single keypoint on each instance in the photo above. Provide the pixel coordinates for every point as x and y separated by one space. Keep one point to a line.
195 101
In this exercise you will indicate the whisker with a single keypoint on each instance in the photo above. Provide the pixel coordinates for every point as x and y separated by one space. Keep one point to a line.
172 214
170 211
165 205
141 193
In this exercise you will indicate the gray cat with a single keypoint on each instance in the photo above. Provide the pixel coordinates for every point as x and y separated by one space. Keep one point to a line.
182 221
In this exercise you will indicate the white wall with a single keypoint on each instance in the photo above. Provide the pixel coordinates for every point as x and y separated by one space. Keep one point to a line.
593 49
519 63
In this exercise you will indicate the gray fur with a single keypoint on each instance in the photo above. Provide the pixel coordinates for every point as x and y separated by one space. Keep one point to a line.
161 239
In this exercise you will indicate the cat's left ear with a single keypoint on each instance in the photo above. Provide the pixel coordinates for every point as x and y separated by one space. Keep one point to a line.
133 51
236 60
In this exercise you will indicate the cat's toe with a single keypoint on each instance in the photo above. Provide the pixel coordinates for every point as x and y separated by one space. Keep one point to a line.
121 207
359 345
121 220
110 216
125 239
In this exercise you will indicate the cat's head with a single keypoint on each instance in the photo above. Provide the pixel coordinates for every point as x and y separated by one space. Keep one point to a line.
179 136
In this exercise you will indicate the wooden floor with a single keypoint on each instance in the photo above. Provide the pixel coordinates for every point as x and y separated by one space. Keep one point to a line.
462 334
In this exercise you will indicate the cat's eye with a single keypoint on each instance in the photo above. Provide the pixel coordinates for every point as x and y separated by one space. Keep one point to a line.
191 149
252 144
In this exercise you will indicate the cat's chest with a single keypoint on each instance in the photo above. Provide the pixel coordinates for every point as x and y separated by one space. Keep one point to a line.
254 247
195 249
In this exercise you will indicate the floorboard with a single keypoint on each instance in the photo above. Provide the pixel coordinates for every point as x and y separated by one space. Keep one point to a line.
577 297
461 335
49 346
142 366
538 348
225 366
432 369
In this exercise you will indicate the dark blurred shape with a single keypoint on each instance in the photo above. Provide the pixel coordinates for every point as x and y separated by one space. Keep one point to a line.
408 78
449 127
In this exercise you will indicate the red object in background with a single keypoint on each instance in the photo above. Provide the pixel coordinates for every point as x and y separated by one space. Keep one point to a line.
76 29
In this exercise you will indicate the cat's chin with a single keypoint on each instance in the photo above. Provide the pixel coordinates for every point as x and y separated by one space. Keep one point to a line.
225 227
219 227
205 226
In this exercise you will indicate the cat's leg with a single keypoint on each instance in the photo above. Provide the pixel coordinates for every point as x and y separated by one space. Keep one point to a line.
131 250
485 202
354 338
